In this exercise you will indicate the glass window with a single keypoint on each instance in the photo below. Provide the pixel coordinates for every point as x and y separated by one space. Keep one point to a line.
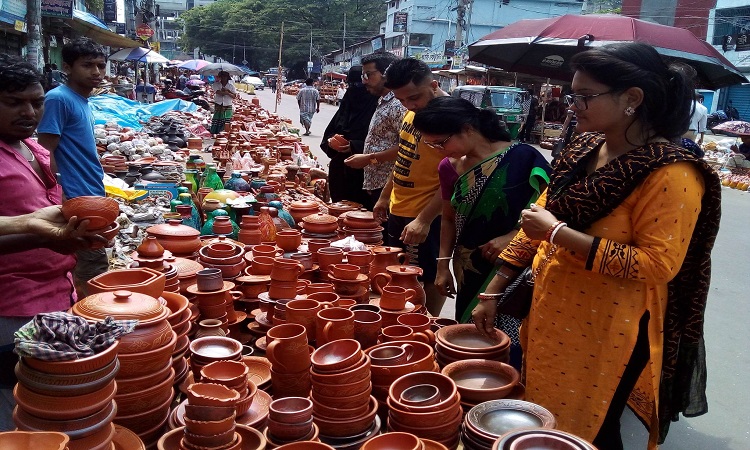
420 40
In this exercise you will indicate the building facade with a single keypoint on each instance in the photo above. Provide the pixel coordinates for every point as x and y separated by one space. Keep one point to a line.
729 31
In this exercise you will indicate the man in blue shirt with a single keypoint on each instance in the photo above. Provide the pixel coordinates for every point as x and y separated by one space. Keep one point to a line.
67 131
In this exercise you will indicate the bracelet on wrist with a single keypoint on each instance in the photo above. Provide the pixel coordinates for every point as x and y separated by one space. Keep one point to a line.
559 227
551 230
502 274
485 296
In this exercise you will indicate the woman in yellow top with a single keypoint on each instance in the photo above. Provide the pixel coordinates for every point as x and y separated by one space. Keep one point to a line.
620 244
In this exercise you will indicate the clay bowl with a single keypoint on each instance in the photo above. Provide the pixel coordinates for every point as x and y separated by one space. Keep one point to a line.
305 445
76 366
422 359
228 373
290 410
334 413
429 444
100 440
221 250
25 440
434 430
538 439
343 390
177 305
54 380
352 375
212 348
259 265
152 434
260 369
208 413
141 280
135 364
109 232
444 384
273 441
209 441
99 211
210 394
448 354
393 441
420 395
148 398
496 417
290 431
336 355
75 429
466 337
350 426
344 271
338 401
143 421
289 241
207 260
244 404
480 380
55 386
135 384
74 407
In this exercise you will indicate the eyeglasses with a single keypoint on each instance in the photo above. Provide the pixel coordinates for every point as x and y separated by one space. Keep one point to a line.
438 145
581 101
366 75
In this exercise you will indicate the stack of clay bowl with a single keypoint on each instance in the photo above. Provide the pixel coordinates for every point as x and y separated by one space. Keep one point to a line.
149 254
187 271
362 259
141 280
463 341
181 240
73 397
146 377
233 375
288 352
428 405
363 226
246 438
290 420
401 441
225 256
343 407
101 213
481 380
179 319
284 276
349 282
249 230
485 423
207 401
211 294
391 360
42 440
319 226
344 206
205 350
543 438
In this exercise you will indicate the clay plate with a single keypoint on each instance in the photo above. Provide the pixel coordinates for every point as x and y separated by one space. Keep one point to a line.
125 439
261 343
480 379
258 411
260 369
466 337
497 417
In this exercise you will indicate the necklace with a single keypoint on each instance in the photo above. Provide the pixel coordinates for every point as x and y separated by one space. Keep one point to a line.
33 158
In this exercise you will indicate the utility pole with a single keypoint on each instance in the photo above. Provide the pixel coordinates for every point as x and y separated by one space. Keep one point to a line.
34 24
278 75
463 5
309 60
343 41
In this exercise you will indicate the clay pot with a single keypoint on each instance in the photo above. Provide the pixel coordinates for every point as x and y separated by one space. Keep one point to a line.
304 258
336 356
313 245
99 211
392 355
420 324
444 384
74 407
177 238
360 257
135 384
315 288
150 248
228 271
148 398
290 410
365 307
333 324
290 431
466 338
266 250
209 428
282 289
222 226
303 208
76 366
320 223
212 441
304 312
261 265
384 257
480 380
394 298
306 445
227 373
41 440
141 280
75 429
288 240
394 441
397 333
151 361
209 280
293 384
361 219
338 142
288 348
367 325
354 374
208 413
344 271
420 395
286 270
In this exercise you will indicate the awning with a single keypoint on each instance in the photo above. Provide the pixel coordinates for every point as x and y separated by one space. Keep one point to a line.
90 26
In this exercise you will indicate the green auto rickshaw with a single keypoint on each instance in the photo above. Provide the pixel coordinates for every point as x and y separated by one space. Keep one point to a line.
507 101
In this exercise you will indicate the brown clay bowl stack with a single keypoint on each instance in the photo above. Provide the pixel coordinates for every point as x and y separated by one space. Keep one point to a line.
427 405
208 349
146 378
225 256
187 271
485 423
289 354
343 407
290 420
179 319
212 295
233 375
43 440
363 226
481 380
303 208
150 254
72 397
421 358
531 438
464 341
319 226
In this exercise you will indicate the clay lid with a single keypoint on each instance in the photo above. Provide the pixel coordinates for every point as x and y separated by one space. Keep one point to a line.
362 214
387 250
120 305
404 270
186 268
304 204
253 279
320 218
173 228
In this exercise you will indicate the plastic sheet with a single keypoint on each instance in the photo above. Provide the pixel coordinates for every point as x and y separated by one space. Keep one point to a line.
129 113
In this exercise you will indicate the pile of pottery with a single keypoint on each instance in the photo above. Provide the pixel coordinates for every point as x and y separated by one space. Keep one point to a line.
181 240
42 440
288 352
318 225
224 255
349 282
290 420
427 405
210 418
458 342
205 350
73 397
391 360
101 213
149 254
363 226
486 422
481 380
288 240
211 294
343 407
146 377
344 206
180 320
529 438
232 375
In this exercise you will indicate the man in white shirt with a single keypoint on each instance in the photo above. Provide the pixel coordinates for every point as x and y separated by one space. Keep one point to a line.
224 93
697 121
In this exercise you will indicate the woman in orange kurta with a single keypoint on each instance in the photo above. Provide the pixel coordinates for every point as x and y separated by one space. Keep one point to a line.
620 244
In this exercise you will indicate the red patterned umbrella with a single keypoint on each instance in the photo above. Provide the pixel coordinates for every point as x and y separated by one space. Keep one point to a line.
736 127
544 46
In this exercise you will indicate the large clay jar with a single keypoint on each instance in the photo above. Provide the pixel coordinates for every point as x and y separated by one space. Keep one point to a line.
403 276
303 208
153 330
177 238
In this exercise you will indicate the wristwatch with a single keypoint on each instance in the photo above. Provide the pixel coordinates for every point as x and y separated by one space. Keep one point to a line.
373 160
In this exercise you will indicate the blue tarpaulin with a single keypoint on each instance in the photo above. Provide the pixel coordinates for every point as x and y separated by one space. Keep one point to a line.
129 113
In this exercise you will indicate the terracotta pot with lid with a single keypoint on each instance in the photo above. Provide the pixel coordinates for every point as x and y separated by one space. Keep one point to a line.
153 330
303 208
320 223
177 238
361 219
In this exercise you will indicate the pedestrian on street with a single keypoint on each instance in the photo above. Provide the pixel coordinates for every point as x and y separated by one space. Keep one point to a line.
224 93
308 99
272 83
530 107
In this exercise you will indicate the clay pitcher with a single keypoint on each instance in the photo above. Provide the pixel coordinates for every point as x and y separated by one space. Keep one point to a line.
403 276
384 257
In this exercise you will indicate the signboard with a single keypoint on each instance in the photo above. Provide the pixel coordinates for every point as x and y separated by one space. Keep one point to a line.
57 8
110 10
742 42
450 48
399 22
377 44
435 60
120 28
12 11
20 25
144 32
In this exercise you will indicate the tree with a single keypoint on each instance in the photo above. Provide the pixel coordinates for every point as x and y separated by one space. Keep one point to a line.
226 27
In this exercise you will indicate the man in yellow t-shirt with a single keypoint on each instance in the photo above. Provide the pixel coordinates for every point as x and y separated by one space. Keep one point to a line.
411 200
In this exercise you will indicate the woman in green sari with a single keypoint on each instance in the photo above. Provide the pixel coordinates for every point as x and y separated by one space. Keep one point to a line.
486 182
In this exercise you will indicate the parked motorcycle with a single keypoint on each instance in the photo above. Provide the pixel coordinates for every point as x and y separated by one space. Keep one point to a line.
190 94
716 118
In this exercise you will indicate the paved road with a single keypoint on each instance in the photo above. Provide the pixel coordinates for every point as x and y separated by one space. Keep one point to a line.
727 425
